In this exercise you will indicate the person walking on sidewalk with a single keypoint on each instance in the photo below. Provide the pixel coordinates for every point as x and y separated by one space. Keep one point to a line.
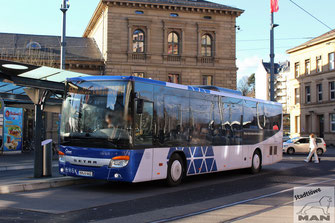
312 149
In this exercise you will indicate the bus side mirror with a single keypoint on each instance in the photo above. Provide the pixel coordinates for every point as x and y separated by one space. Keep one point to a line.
139 108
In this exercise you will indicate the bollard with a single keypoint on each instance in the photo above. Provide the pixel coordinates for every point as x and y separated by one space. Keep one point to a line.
47 157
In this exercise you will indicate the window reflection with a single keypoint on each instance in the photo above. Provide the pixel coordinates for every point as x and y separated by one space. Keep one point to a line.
138 41
173 43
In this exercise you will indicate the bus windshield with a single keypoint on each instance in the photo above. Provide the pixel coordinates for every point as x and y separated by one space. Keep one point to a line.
96 114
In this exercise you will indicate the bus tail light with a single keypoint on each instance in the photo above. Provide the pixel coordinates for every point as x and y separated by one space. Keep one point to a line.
119 161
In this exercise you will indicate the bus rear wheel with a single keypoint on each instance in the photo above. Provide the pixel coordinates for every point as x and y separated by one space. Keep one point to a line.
256 164
176 170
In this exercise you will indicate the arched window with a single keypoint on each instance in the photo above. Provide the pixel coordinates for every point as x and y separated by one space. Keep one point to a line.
138 41
173 43
206 46
33 46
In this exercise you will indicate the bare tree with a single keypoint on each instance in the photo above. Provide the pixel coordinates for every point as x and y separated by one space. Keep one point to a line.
247 85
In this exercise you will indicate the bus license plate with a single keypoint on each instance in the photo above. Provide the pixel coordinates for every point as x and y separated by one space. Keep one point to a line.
85 173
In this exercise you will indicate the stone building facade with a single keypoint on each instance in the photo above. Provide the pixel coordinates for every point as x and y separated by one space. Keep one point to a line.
186 41
312 88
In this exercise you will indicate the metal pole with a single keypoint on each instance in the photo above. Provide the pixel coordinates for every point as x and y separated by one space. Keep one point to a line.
272 56
47 157
64 8
38 164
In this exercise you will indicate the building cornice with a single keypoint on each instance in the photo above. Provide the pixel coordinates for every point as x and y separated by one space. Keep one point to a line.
307 44
157 6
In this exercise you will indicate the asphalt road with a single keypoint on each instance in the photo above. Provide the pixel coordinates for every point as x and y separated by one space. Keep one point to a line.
155 202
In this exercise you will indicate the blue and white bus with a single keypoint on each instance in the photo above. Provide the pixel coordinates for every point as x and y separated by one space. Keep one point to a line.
135 129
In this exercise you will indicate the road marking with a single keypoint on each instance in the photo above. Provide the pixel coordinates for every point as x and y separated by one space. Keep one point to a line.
233 204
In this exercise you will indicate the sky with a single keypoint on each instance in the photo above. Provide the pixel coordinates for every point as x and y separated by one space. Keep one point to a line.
43 17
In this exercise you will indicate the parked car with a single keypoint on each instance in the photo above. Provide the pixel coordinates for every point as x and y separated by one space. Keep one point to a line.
286 137
301 145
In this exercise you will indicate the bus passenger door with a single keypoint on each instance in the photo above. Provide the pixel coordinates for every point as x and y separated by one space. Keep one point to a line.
144 122
143 138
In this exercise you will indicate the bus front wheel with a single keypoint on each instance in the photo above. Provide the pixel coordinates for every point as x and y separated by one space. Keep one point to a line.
256 164
176 170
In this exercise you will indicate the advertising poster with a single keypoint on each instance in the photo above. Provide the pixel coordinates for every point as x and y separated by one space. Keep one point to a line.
12 136
2 106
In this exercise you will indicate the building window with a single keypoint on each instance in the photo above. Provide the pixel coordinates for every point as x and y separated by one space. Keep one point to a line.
331 61
173 43
173 78
296 96
319 87
33 46
139 12
308 123
296 69
318 64
207 80
332 122
332 90
138 41
307 67
174 14
297 124
308 94
138 74
207 17
206 45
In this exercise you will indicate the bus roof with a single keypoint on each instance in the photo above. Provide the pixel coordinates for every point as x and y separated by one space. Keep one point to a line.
168 84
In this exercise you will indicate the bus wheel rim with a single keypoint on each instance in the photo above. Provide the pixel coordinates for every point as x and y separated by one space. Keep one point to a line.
176 170
256 161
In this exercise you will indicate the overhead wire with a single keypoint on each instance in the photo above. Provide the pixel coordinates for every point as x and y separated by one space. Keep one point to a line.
310 14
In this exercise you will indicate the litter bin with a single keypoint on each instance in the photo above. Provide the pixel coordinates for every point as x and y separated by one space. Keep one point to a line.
47 157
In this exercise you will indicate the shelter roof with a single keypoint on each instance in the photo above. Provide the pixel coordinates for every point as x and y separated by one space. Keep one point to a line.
15 77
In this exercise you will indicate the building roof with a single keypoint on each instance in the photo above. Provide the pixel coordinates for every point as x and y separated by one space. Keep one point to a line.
192 3
279 67
324 37
196 6
267 67
48 47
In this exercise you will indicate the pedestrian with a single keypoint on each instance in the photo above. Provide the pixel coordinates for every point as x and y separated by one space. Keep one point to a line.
312 149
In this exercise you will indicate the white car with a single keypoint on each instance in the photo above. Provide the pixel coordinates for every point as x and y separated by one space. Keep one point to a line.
301 145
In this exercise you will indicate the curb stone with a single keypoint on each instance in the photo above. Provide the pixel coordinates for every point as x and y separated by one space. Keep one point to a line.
41 184
21 167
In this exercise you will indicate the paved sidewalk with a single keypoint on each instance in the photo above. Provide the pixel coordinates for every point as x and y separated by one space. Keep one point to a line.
19 161
17 170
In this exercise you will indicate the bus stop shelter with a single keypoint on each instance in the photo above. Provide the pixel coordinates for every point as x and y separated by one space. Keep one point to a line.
38 85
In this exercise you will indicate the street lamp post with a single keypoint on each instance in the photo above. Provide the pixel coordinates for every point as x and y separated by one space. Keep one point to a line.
272 56
64 7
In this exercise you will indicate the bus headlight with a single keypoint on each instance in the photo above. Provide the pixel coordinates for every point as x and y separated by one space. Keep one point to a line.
119 161
61 157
